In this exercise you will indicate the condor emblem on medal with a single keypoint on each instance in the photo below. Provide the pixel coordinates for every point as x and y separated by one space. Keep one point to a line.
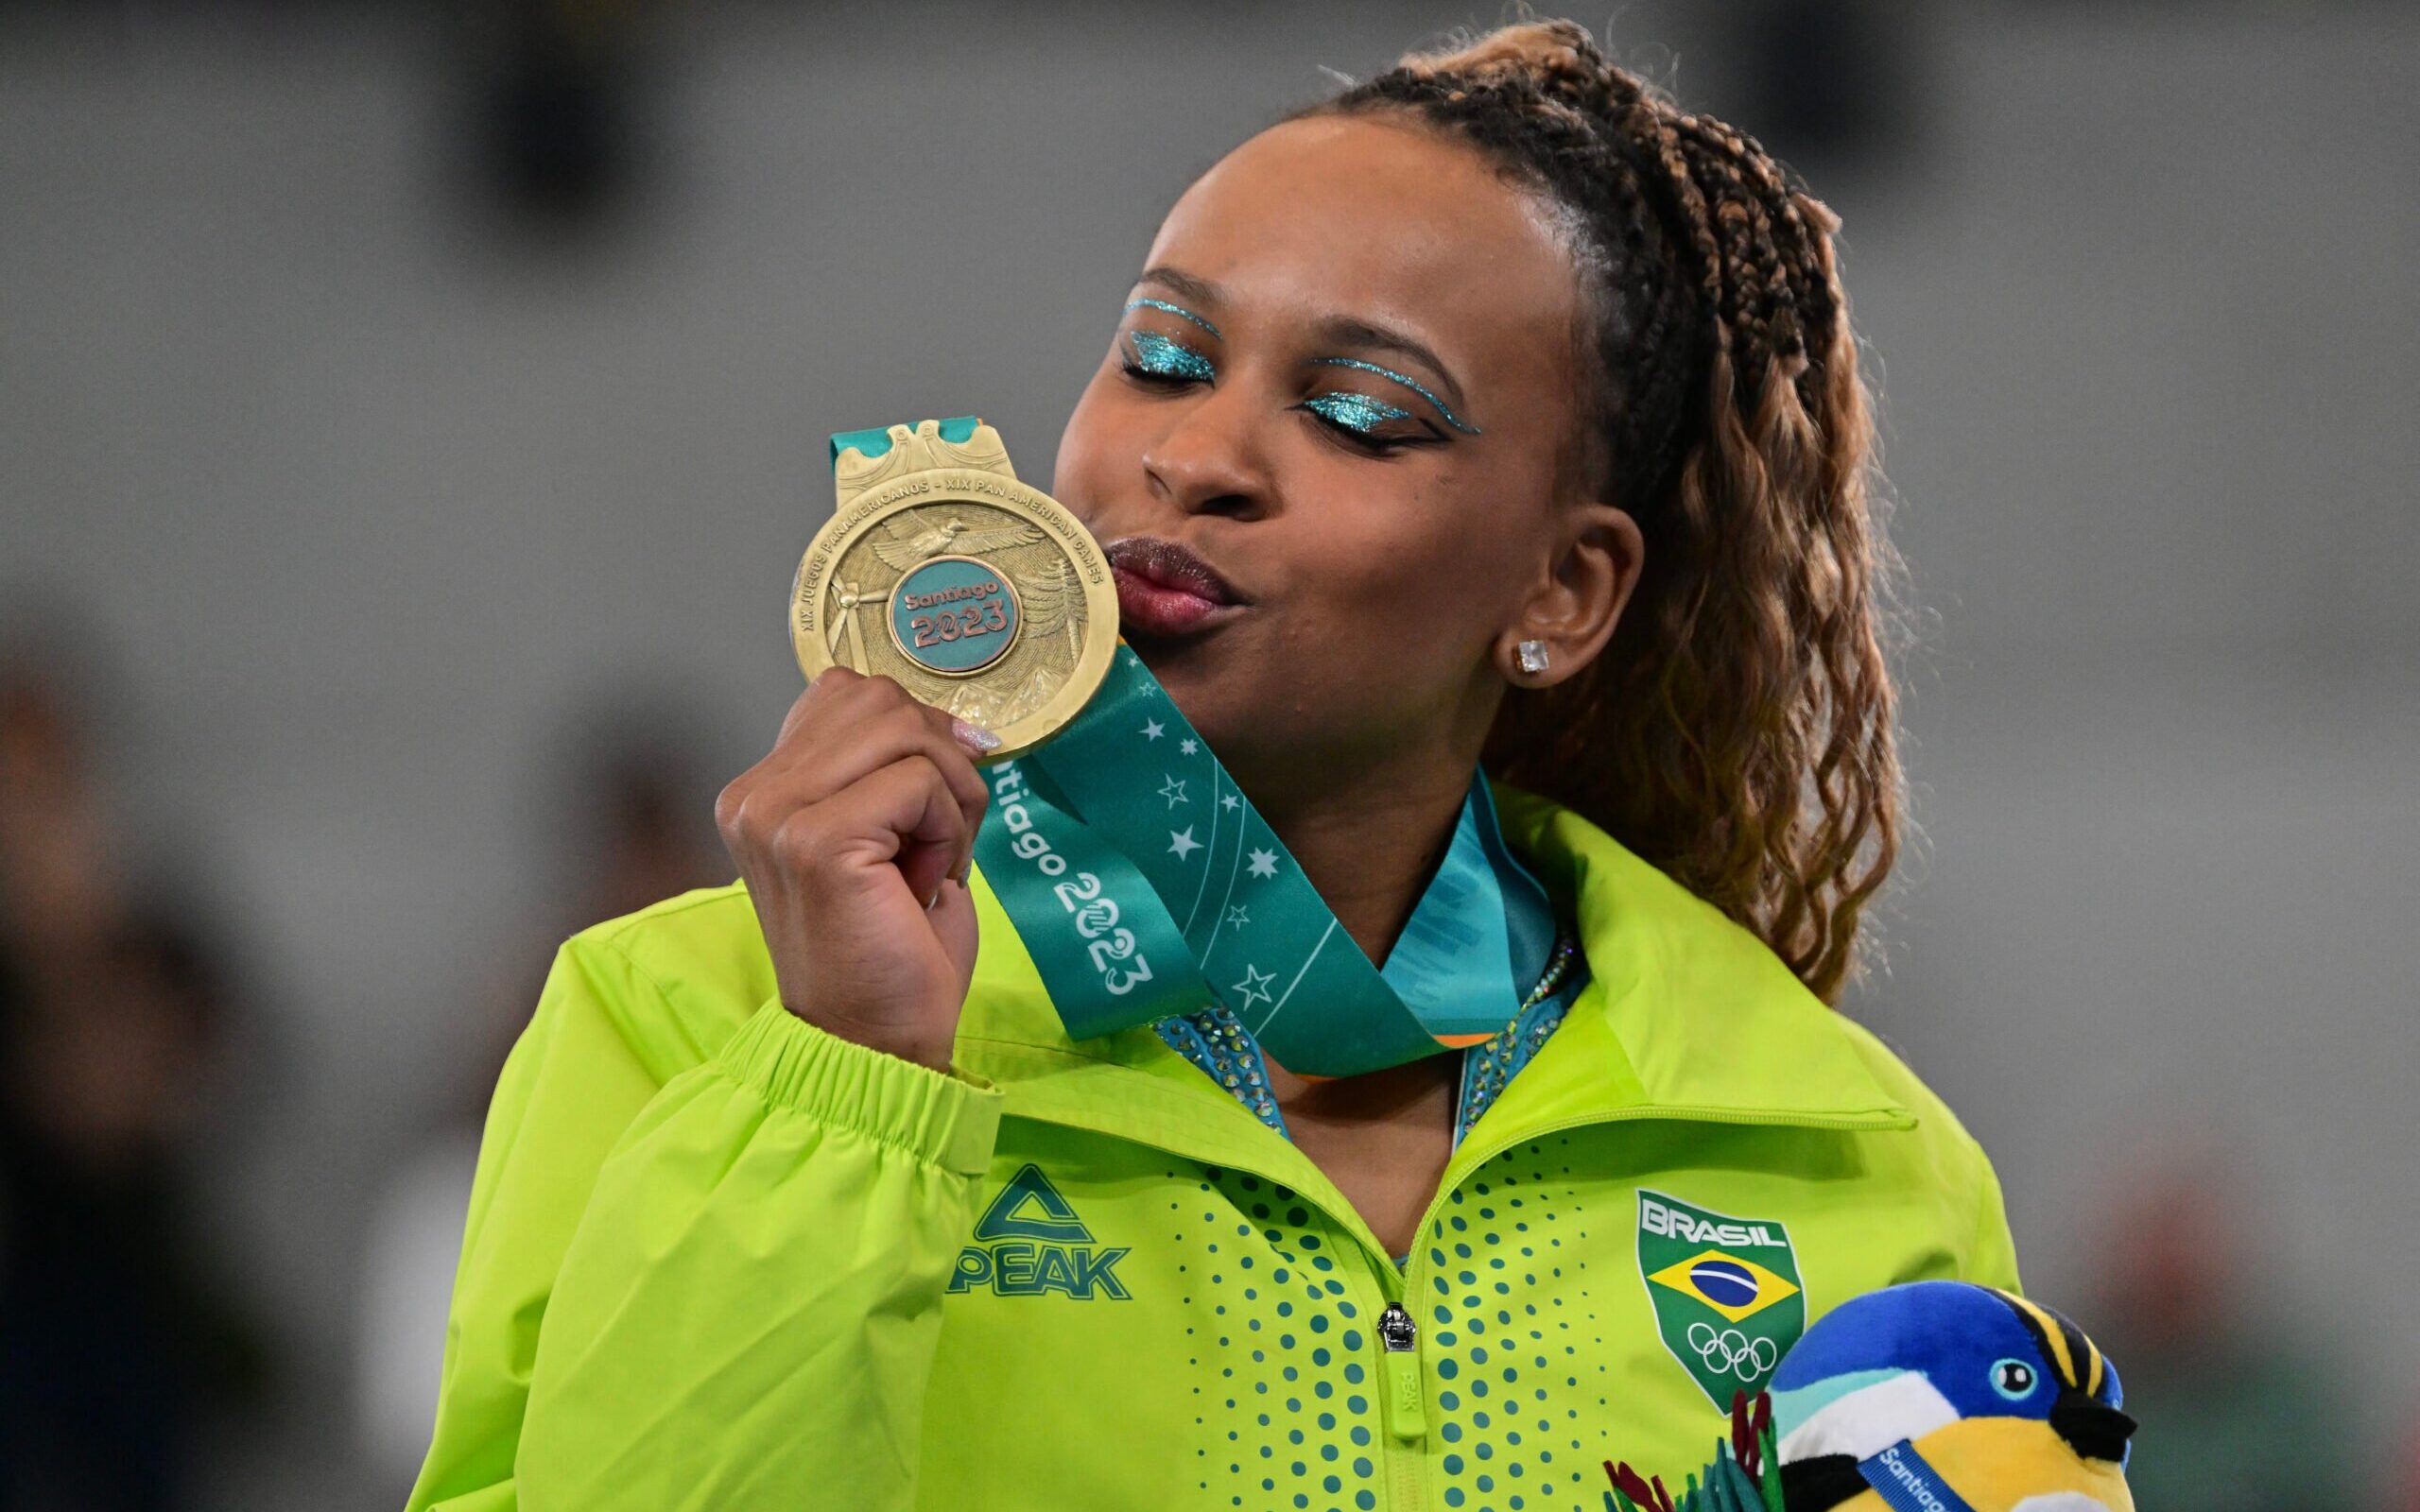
1728 1298
977 594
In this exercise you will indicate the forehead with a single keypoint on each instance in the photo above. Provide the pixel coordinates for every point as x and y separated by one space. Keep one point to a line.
1381 219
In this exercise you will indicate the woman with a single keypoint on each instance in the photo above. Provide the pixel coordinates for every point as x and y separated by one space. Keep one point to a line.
1492 408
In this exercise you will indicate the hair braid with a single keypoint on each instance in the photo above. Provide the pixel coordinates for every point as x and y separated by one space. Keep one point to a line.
1738 733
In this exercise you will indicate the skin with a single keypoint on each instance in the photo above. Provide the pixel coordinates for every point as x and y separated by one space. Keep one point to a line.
1385 595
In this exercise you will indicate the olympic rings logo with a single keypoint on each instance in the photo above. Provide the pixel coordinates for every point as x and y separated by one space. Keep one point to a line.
1732 1352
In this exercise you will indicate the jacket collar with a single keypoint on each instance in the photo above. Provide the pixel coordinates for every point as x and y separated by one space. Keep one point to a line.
1691 1009
1685 1014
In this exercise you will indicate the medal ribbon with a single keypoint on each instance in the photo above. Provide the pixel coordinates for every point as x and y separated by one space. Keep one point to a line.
1144 884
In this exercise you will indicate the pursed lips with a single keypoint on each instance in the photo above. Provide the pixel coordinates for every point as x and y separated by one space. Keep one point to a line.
1165 588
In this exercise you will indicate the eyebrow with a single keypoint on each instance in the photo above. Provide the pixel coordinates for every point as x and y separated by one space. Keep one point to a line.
1183 285
1357 335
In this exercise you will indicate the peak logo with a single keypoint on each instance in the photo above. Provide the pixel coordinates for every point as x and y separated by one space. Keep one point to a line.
1029 1243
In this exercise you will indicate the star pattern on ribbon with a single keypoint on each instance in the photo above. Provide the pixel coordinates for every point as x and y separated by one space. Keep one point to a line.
1152 730
1187 747
1264 863
1254 985
1228 802
1173 790
1183 844
1237 916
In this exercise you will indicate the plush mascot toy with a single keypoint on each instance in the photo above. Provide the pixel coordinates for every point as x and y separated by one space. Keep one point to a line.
1934 1397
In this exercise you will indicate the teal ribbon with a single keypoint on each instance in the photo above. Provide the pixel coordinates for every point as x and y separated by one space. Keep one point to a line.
871 444
1145 883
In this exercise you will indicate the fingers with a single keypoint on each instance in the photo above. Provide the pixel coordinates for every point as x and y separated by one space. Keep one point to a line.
914 802
836 734
841 731
901 727
904 814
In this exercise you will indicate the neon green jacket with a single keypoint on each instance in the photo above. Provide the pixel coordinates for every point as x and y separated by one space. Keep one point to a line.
718 1259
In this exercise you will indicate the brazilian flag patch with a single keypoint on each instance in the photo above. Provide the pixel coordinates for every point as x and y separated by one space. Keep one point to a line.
1728 1298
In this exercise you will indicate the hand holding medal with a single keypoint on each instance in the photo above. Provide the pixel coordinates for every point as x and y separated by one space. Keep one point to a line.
945 612
854 835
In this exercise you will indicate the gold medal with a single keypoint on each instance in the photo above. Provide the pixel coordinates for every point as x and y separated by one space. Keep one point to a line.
977 594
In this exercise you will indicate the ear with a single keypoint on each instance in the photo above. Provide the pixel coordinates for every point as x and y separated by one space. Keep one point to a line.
1581 591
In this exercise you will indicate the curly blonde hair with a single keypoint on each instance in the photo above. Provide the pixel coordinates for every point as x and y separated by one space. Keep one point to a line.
1738 733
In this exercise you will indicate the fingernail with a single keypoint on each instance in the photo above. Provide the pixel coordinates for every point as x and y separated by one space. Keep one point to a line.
975 737
963 867
934 899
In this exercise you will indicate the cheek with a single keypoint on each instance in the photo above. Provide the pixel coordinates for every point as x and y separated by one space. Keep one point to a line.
1404 576
1440 538
1091 445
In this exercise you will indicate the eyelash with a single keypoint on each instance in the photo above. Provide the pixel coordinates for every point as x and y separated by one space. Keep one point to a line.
1164 362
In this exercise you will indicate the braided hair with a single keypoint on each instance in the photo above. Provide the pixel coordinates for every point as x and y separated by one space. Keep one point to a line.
1738 733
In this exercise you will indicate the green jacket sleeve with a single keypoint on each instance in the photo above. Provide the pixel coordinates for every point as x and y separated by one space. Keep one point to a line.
696 1279
1992 1262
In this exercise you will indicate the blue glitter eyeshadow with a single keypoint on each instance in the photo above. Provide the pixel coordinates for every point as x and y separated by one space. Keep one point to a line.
1177 310
1163 358
1355 412
1451 419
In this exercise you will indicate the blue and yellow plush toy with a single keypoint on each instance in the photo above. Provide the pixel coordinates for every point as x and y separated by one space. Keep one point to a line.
1933 1396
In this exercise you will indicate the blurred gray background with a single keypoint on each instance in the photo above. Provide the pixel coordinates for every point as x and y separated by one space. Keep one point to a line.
410 419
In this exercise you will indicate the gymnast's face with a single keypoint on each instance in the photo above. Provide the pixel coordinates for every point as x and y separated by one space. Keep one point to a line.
1344 382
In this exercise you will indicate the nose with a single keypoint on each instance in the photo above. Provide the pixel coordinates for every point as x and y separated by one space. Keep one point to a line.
1209 461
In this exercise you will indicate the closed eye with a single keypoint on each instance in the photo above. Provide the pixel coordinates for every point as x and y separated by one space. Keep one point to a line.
1164 359
1413 383
1355 412
1357 417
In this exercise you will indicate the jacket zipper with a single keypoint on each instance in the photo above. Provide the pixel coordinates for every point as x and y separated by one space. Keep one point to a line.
1403 1406
1399 1342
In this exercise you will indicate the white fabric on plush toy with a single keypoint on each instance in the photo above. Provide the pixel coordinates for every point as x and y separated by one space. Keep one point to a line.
1863 1420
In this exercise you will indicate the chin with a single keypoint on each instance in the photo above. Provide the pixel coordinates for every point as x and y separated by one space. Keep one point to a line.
1266 722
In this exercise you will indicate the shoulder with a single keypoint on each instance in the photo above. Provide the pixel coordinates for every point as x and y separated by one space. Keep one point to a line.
1939 1157
678 978
1946 1140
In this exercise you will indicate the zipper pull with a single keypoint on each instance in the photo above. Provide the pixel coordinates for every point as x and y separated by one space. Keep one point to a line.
1399 1342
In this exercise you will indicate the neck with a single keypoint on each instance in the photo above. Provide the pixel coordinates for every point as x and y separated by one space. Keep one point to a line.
1370 841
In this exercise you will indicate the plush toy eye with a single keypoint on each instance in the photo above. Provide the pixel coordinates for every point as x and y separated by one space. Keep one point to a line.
2012 1379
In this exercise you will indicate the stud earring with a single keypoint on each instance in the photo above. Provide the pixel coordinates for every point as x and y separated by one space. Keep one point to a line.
1532 656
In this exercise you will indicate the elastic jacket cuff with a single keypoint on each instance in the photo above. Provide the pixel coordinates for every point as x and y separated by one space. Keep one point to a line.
946 1119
